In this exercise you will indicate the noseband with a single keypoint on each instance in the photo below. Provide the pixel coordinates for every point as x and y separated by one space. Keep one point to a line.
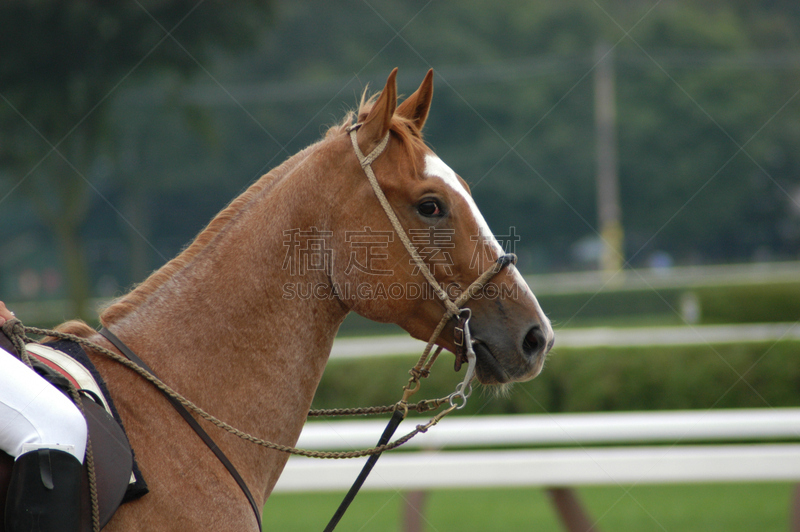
453 309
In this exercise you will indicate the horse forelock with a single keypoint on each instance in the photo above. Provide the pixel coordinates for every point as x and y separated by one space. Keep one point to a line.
405 129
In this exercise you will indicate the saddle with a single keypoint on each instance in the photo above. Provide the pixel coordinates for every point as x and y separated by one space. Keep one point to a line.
118 478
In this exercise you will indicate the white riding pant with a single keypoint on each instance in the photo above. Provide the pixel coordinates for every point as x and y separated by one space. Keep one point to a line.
34 414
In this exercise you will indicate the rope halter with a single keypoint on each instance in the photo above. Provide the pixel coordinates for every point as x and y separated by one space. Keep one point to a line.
463 338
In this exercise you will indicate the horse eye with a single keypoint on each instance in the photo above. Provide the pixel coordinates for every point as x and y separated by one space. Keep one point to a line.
430 208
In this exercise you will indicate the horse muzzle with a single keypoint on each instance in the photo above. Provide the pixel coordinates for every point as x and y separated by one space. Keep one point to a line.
504 357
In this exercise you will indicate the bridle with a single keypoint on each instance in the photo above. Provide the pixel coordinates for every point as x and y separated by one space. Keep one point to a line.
453 309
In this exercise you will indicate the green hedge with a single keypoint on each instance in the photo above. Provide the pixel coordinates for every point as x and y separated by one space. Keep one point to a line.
602 379
750 304
778 302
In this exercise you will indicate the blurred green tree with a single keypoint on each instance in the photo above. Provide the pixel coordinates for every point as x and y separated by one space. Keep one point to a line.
62 62
709 158
706 98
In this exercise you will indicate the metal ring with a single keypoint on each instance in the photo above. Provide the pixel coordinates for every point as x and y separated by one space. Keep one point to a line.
459 393
453 397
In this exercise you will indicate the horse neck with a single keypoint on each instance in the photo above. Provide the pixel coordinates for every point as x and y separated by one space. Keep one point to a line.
219 329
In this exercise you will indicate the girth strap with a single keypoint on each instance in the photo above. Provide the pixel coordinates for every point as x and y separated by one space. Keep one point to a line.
125 350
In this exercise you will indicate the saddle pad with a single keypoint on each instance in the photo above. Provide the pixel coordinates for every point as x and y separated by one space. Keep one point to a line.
80 377
69 359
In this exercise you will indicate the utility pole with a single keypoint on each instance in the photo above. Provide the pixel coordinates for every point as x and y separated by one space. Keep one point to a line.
608 210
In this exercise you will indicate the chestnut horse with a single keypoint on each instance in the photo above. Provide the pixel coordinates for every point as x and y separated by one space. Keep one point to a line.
242 321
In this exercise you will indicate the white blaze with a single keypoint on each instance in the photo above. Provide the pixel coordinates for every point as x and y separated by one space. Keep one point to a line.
435 167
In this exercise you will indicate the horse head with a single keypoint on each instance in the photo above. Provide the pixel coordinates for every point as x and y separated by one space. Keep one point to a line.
374 274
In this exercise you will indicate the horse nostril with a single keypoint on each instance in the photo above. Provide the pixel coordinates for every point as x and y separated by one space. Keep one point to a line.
534 342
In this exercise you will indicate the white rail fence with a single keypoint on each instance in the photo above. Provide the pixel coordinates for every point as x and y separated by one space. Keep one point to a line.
576 458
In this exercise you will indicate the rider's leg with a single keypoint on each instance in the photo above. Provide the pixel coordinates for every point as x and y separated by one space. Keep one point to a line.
35 413
46 434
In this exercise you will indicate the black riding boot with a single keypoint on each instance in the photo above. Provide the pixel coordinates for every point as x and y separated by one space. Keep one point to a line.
44 493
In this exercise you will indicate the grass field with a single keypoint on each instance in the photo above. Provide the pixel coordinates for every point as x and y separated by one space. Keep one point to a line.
679 508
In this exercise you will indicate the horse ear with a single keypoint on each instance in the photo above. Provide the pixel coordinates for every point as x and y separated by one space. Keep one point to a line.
377 123
416 106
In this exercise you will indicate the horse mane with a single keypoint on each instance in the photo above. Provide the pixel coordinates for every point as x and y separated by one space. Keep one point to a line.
75 327
404 129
